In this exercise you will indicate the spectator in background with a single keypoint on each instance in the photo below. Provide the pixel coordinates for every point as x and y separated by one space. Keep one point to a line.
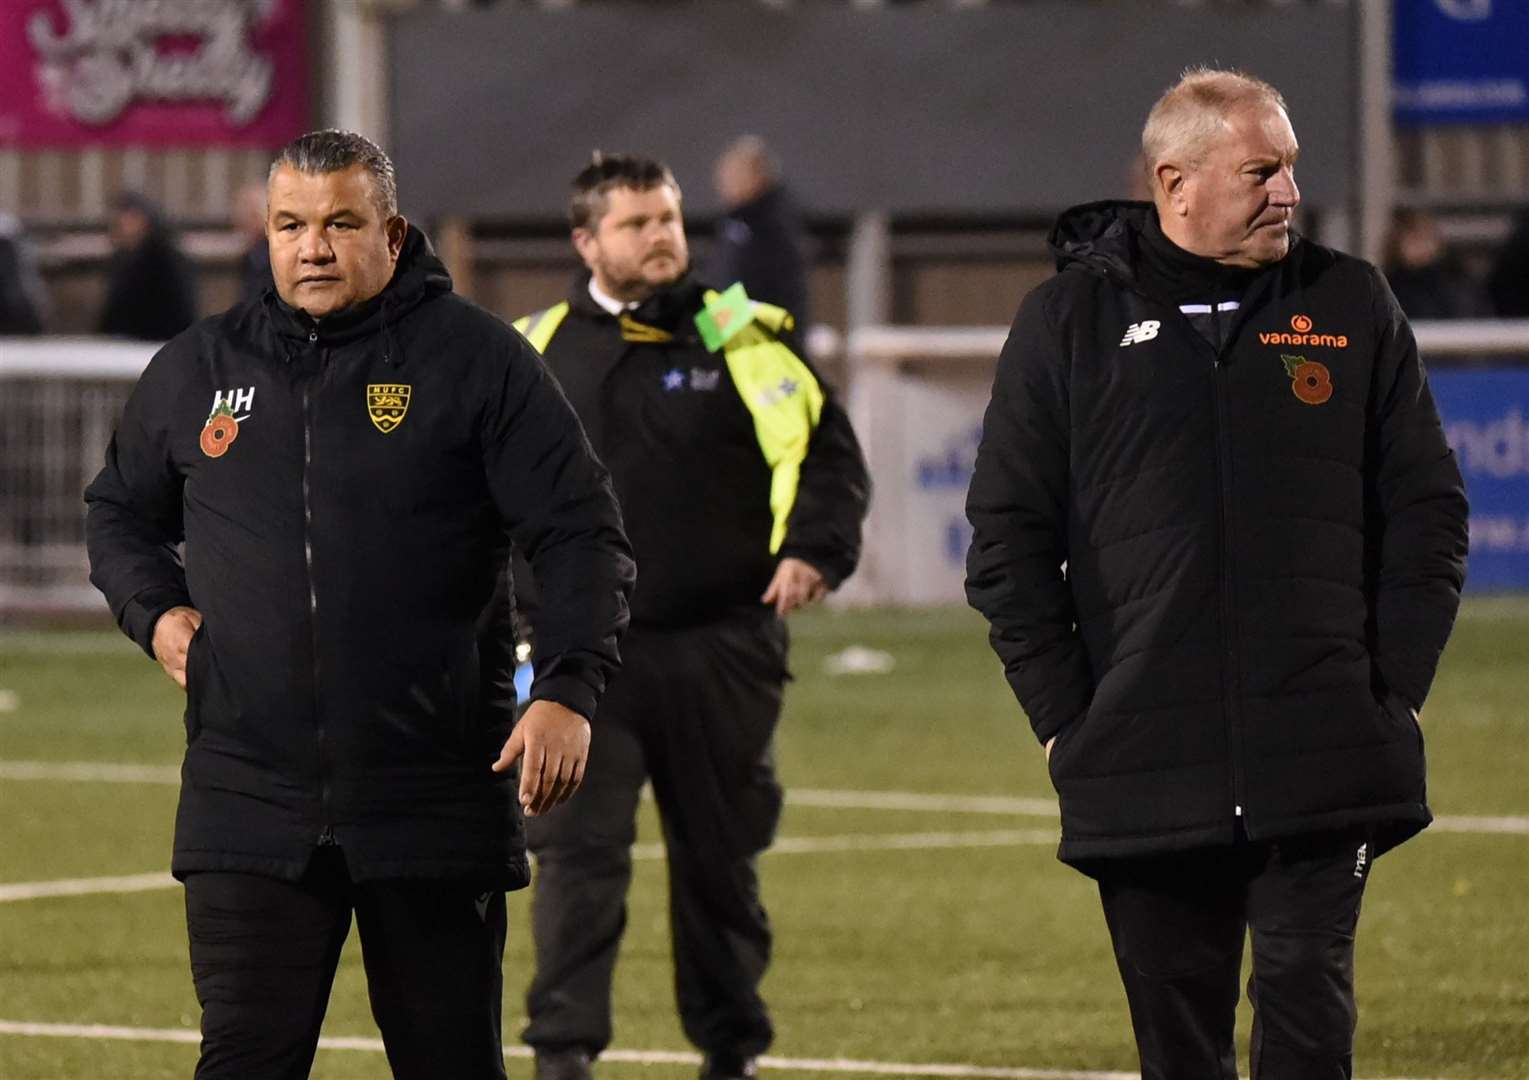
249 223
760 241
23 299
1428 280
1508 282
151 286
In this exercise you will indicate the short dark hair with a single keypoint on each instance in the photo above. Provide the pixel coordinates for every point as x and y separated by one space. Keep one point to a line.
332 150
605 173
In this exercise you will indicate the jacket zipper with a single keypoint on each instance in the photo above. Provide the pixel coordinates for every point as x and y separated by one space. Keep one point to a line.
1231 680
326 834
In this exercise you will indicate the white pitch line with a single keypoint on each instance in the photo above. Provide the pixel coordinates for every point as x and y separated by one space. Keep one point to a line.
915 802
90 772
786 845
35 890
922 841
1516 826
631 1057
907 800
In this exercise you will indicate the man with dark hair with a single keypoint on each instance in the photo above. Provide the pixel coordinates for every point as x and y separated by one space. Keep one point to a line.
150 284
347 460
1220 540
743 489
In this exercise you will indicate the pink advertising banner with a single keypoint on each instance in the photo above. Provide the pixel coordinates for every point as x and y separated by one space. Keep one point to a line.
152 72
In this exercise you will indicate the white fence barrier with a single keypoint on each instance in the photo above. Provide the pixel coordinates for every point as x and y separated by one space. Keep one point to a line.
59 403
916 396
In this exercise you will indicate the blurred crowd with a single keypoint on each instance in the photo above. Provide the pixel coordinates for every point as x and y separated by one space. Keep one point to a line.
151 284
152 291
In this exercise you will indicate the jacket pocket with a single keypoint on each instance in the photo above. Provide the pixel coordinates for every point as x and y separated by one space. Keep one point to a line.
1064 739
195 683
1400 714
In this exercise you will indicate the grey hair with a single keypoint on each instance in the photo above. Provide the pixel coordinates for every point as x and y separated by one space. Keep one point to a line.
320 152
1192 111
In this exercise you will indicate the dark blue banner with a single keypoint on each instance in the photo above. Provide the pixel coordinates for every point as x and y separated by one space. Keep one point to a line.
1486 419
1464 61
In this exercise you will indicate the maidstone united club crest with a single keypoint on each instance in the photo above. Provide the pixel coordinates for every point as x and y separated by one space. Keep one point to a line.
386 404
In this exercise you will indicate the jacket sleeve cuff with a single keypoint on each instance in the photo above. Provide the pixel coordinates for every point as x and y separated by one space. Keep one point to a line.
567 690
1048 729
141 613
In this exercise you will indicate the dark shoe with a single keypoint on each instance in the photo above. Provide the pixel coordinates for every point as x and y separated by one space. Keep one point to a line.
564 1065
729 1067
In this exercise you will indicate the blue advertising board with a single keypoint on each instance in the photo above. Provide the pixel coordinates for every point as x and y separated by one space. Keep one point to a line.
1464 61
1486 419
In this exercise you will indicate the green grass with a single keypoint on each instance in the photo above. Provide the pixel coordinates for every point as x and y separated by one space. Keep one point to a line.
986 956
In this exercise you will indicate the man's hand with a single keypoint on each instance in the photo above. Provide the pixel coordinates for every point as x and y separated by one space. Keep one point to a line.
555 742
795 584
1049 744
172 637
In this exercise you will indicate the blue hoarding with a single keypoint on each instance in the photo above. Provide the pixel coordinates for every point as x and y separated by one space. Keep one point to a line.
1486 419
1464 61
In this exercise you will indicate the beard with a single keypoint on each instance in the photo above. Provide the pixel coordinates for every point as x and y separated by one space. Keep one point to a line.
639 280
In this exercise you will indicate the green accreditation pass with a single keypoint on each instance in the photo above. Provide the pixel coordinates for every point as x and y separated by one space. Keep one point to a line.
721 319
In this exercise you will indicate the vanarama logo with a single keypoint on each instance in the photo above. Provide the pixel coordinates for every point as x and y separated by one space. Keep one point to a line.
1300 333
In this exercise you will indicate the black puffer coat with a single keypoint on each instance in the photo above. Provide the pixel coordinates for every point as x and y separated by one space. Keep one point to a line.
1264 548
343 540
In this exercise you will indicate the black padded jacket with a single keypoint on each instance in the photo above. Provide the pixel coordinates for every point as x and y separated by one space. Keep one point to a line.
1221 578
347 491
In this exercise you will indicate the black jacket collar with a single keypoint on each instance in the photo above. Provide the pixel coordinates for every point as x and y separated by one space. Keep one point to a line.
1108 238
419 275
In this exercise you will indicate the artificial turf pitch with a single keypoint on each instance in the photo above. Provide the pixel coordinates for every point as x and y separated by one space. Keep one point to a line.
973 950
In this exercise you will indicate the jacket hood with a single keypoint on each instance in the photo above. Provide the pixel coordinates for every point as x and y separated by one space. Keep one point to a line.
419 275
1105 237
1102 236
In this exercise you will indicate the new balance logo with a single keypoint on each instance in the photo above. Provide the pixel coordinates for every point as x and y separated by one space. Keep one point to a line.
1139 332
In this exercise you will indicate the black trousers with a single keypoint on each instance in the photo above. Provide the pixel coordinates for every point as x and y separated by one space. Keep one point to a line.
264 952
694 710
1178 924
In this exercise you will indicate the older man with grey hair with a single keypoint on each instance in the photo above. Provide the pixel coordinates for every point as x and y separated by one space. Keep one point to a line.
1220 540
347 459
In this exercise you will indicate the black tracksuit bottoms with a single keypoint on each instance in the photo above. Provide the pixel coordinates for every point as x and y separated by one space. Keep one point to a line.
694 711
1178 924
264 952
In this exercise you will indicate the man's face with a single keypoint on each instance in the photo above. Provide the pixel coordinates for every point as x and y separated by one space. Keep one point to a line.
1235 205
331 247
638 246
129 227
736 179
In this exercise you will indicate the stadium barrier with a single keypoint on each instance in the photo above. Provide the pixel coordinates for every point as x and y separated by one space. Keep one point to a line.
59 403
916 396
